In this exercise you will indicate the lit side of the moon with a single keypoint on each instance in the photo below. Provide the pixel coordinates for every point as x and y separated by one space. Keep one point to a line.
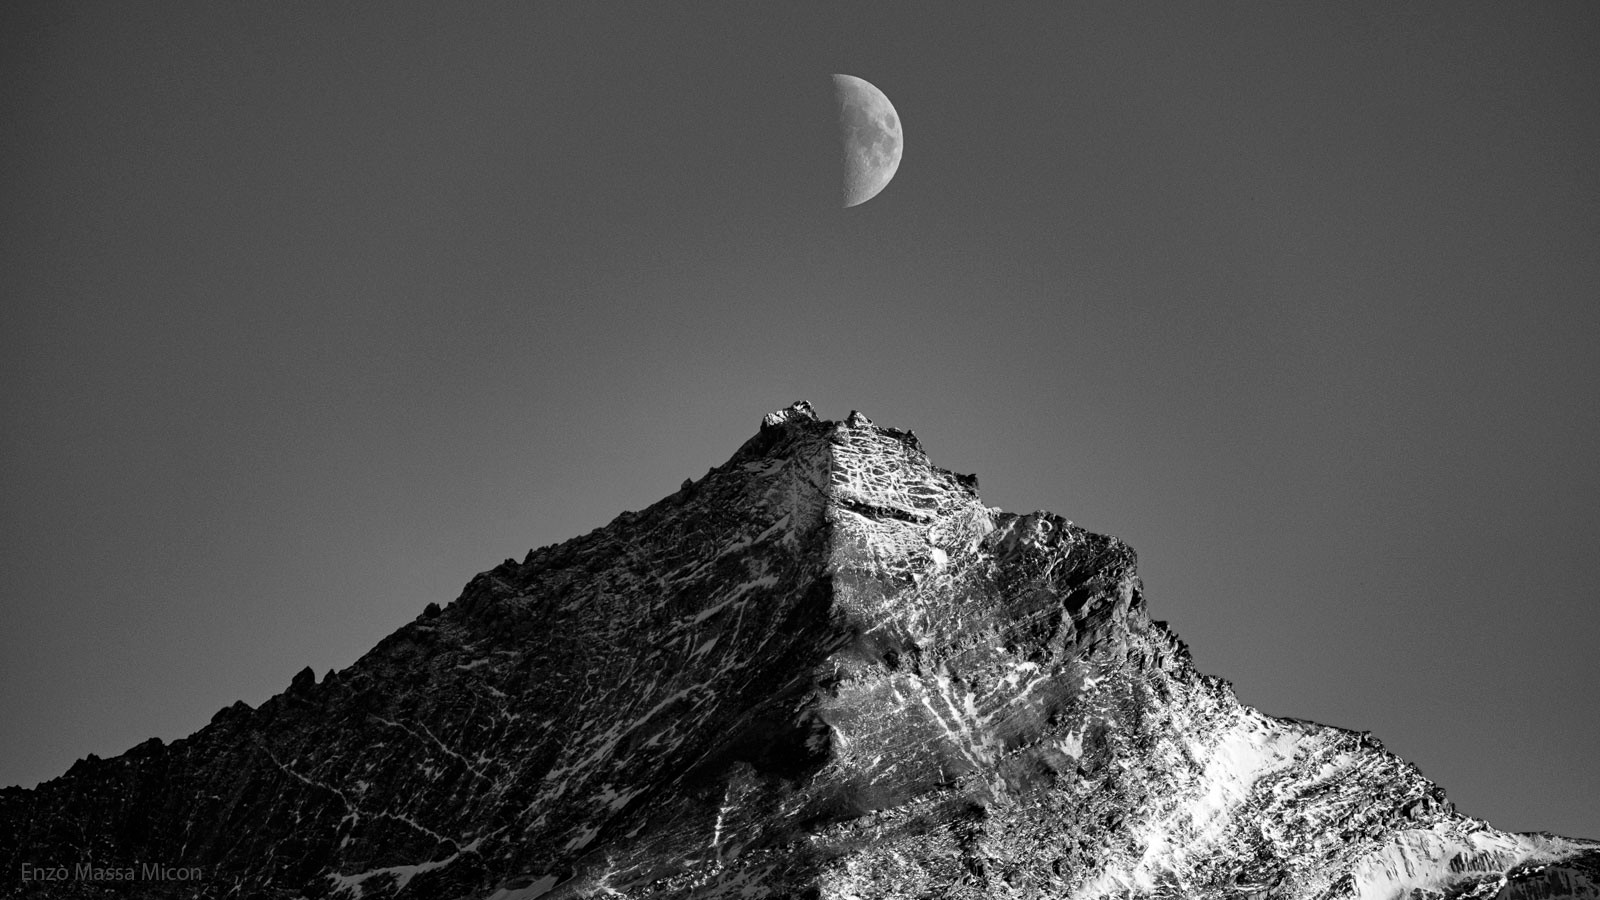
869 136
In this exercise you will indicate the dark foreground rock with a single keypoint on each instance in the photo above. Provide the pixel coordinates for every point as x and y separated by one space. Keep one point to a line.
826 669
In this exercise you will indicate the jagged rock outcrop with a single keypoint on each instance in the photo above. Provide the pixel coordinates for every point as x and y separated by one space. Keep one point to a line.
825 669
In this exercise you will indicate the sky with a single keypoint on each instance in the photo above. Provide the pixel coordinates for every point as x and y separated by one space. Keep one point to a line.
309 312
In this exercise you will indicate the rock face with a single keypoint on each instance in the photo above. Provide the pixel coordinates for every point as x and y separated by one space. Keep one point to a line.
824 670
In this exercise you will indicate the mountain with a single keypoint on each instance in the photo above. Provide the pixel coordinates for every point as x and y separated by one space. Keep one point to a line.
825 669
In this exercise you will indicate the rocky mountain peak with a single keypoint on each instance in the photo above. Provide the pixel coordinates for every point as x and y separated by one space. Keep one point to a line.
799 411
825 669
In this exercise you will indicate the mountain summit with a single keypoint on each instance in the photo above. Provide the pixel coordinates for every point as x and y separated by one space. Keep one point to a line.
825 669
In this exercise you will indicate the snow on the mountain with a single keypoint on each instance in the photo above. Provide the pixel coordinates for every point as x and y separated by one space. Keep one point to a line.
1418 861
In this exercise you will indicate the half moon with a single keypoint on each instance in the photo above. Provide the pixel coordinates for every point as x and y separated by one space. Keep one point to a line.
869 136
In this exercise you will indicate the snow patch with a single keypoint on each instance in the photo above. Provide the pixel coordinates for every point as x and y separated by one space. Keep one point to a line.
1424 861
581 839
402 874
538 889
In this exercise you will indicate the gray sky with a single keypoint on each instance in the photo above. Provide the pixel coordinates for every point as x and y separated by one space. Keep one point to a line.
312 311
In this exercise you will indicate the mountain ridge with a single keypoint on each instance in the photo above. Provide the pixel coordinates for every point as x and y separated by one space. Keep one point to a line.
823 669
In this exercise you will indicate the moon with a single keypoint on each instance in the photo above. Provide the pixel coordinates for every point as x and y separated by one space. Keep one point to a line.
869 136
